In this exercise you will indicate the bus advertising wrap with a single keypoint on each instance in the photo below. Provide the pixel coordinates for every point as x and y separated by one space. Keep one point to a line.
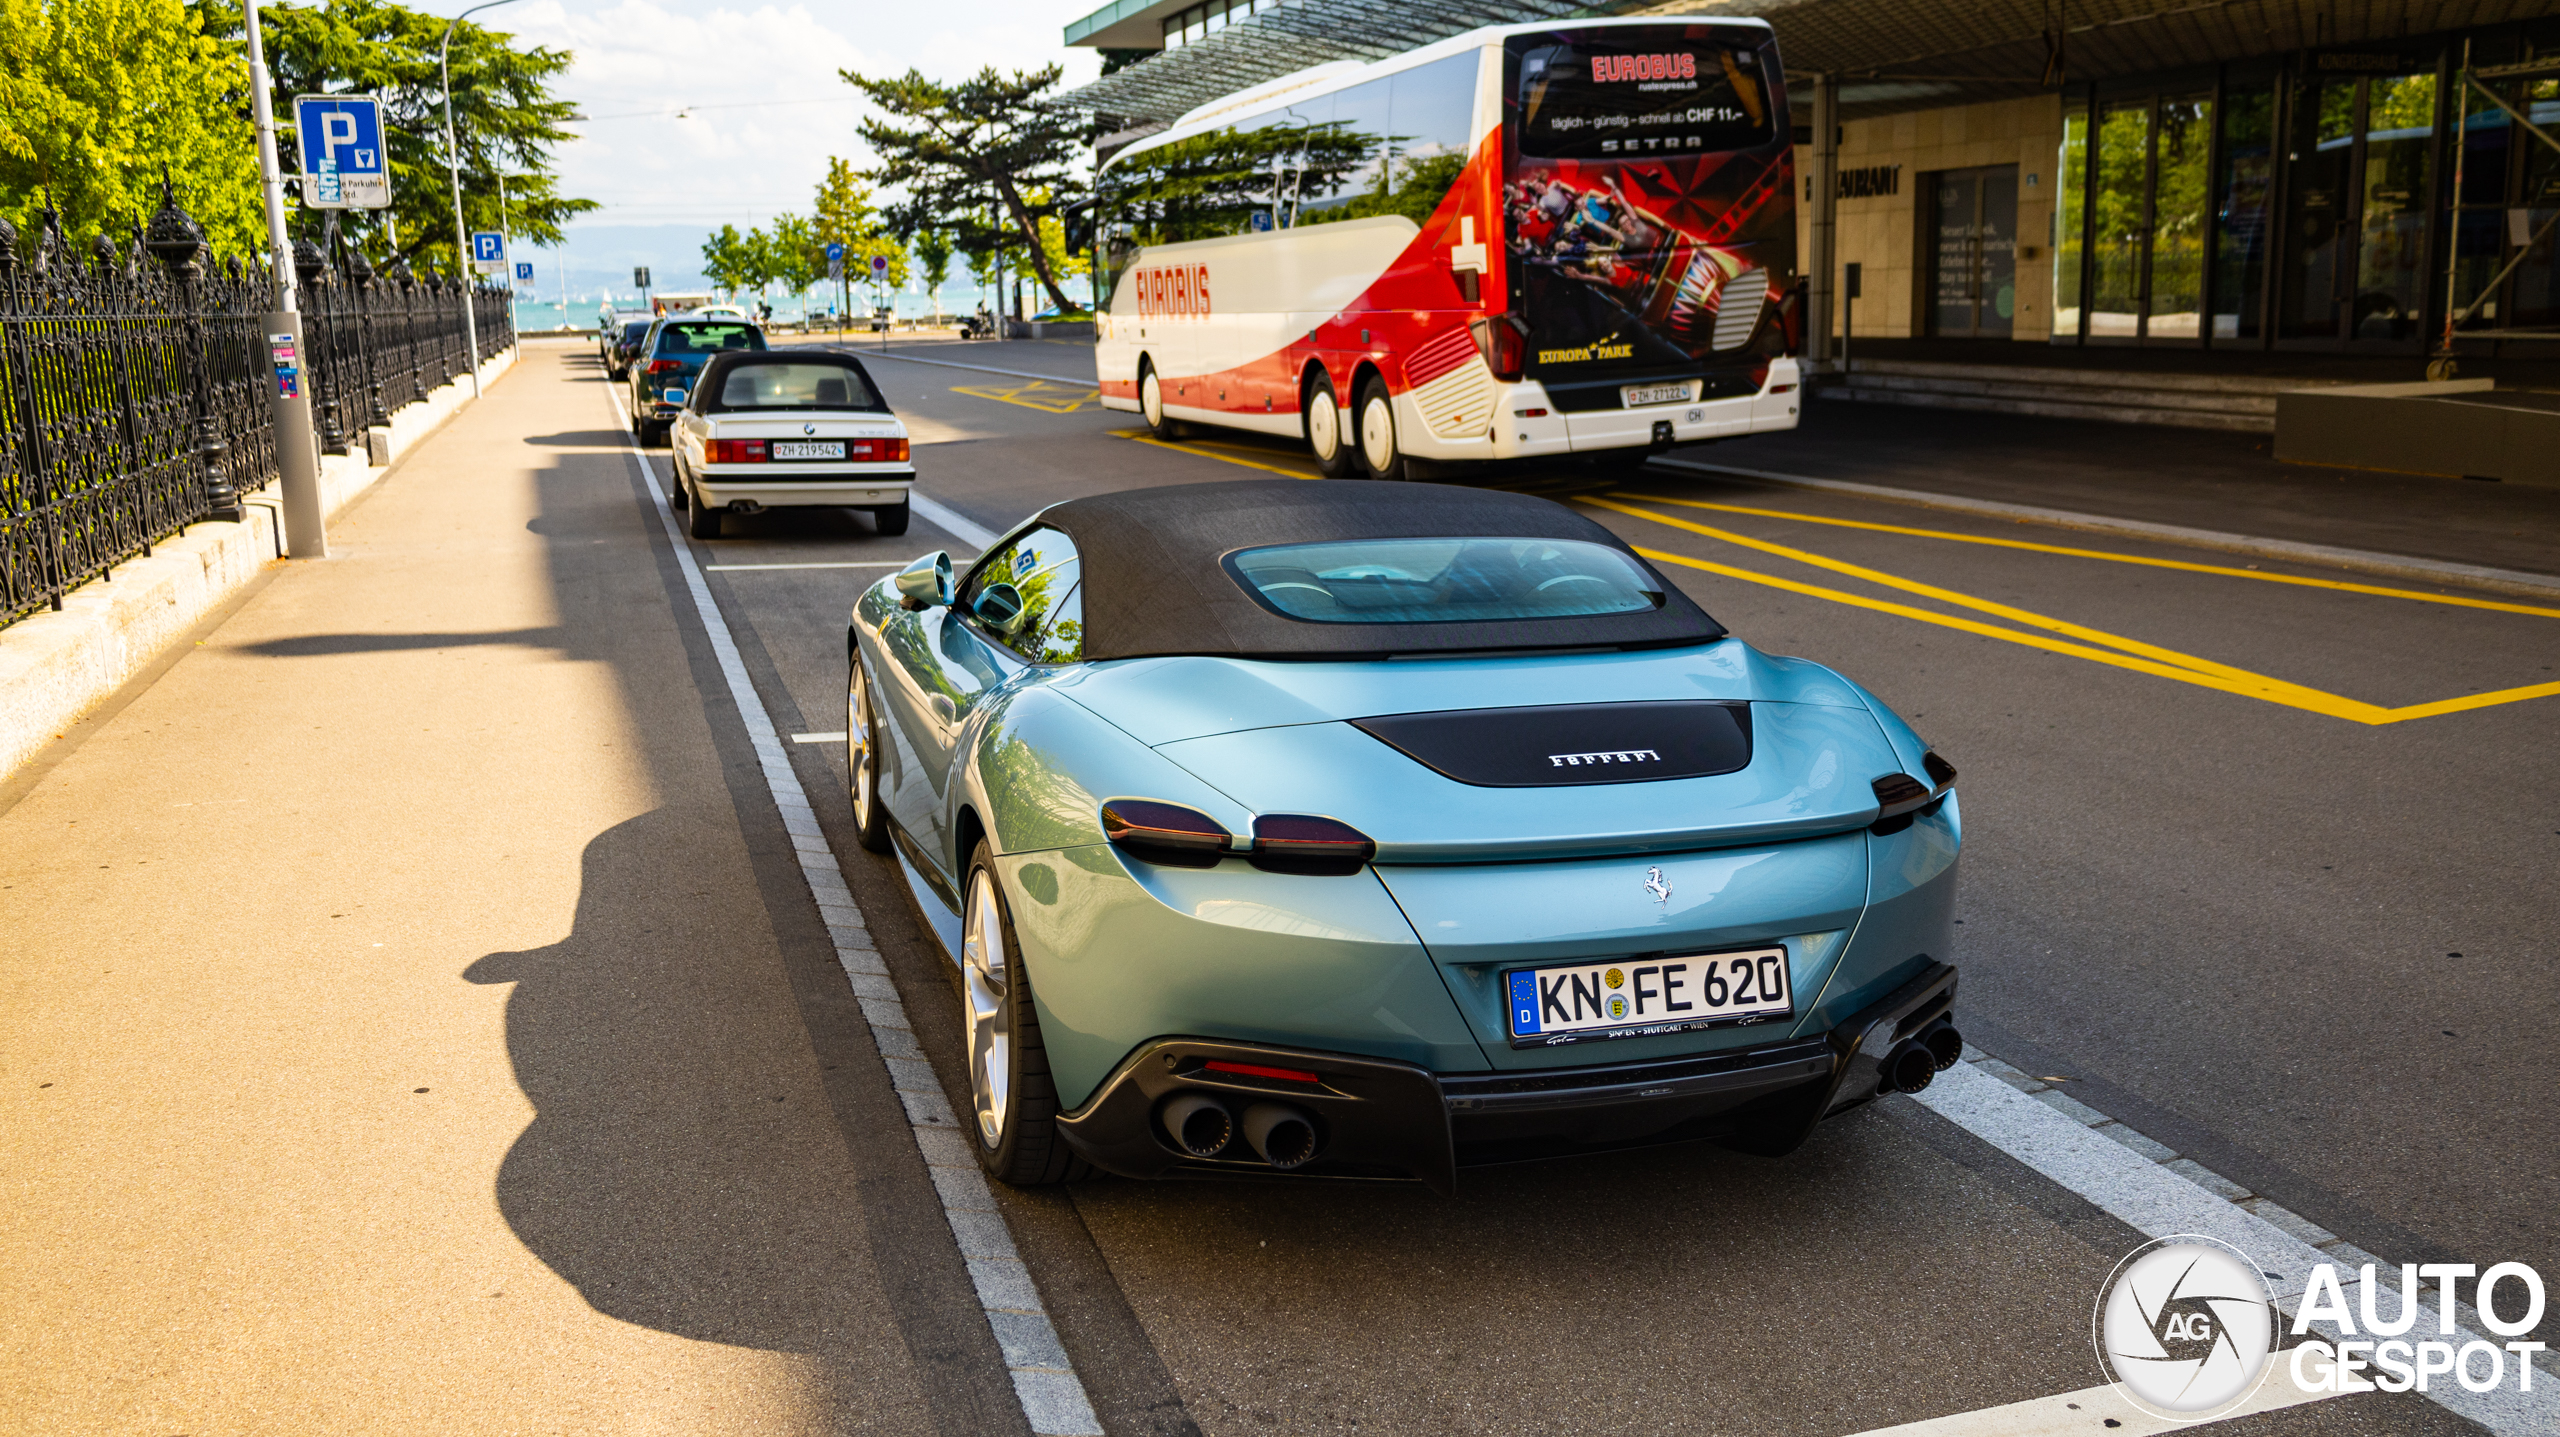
1647 204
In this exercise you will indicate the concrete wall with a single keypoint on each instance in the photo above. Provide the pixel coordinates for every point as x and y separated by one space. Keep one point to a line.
1882 233
56 666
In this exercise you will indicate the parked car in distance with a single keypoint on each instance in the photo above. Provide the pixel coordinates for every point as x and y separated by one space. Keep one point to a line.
789 428
663 370
622 342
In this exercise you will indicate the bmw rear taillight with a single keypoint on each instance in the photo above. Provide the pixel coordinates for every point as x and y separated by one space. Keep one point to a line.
665 366
878 451
733 451
1303 843
1504 347
1165 833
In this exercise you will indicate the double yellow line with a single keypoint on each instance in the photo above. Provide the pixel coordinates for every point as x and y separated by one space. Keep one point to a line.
2077 640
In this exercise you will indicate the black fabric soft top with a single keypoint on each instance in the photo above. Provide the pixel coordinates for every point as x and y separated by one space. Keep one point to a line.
716 370
1153 582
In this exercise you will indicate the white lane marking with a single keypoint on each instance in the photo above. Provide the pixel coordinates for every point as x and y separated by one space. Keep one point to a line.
981 368
817 738
862 564
952 522
2159 1203
1044 1381
2089 1410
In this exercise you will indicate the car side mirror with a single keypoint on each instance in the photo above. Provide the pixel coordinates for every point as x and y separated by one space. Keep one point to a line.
999 607
926 583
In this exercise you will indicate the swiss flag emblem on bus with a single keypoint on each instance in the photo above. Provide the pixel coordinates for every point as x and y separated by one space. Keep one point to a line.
1173 289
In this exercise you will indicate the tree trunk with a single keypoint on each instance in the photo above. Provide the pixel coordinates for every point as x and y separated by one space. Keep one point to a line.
1031 237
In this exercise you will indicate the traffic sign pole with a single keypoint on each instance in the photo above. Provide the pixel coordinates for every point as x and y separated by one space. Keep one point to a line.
306 531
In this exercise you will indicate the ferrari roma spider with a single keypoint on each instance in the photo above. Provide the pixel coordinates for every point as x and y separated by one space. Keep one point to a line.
1379 831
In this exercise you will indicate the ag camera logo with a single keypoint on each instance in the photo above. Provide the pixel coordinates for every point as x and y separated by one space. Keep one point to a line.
2186 1327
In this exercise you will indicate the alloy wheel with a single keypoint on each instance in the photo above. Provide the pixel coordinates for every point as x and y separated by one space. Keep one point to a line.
860 760
982 977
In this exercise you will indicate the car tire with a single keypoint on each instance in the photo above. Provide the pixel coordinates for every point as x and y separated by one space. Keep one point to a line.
1321 420
702 521
1381 457
891 519
1013 1104
862 755
1151 404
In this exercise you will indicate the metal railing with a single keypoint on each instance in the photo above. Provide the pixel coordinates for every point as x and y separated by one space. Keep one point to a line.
133 397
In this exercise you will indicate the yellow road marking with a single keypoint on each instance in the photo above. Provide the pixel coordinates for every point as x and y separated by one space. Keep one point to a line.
2193 568
2127 653
1209 449
1039 394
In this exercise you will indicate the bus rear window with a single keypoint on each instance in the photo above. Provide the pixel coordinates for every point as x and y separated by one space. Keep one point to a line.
1620 93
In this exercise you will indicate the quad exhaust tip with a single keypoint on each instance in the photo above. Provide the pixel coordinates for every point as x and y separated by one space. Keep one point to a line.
1285 1137
1922 1056
1200 1125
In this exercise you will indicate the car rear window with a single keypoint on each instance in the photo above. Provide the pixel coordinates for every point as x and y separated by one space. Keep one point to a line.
795 385
701 338
1442 581
636 328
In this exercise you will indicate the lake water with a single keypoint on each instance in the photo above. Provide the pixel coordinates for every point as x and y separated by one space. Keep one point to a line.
536 315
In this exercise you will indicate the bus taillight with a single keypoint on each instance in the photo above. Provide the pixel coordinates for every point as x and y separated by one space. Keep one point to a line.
1504 347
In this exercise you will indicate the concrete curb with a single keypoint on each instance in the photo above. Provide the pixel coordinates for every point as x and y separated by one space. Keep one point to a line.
2512 582
56 667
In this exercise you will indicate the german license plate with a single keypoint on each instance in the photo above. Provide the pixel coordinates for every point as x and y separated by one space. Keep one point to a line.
1642 394
1643 997
808 449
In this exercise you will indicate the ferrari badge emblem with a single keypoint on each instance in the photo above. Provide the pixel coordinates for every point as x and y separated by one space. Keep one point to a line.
1657 885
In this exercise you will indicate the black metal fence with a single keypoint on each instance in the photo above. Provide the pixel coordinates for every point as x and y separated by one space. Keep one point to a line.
133 397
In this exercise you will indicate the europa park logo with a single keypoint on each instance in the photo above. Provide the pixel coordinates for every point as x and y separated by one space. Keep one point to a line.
2186 1327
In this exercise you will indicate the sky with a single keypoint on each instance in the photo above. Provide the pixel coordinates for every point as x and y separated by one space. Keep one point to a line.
761 104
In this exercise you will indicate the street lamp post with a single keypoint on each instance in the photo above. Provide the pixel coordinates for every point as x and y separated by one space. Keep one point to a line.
306 526
453 171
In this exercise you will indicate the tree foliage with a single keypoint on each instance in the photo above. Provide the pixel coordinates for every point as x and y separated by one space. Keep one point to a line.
959 151
846 216
506 119
96 96
933 260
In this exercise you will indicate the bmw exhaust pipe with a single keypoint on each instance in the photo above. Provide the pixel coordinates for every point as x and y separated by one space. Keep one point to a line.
1200 1125
1285 1137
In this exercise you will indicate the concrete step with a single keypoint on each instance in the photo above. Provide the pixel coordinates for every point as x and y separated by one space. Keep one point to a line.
2059 377
2031 387
2086 408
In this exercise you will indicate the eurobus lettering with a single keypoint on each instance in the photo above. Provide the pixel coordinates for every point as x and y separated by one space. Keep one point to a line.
1574 238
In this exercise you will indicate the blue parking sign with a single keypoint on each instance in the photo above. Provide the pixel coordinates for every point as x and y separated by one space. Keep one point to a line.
524 271
489 250
344 162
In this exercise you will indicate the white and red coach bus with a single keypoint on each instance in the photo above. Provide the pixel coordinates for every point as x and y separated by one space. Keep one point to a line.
1575 237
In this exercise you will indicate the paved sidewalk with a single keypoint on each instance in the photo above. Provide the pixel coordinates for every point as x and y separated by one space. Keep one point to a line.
411 1019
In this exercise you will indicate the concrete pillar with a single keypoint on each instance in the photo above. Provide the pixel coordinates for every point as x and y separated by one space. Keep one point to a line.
1822 265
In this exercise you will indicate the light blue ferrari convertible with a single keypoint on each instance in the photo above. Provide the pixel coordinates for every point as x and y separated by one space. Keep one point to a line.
1380 831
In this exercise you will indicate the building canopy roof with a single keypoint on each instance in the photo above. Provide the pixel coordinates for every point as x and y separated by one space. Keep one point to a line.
1890 55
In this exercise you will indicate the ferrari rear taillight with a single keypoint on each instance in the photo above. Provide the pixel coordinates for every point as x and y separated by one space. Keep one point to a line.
1165 833
878 451
733 451
1302 843
1504 347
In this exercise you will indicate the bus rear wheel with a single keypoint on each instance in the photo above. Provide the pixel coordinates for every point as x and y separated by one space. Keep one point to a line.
1334 457
1151 405
1380 455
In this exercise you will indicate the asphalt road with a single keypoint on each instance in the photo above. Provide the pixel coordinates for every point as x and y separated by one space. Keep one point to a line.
2301 939
416 1018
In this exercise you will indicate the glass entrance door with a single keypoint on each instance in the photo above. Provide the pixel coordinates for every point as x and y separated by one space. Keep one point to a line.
1973 252
2362 155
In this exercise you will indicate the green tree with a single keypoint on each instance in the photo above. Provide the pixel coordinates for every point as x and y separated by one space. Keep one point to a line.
933 259
97 95
846 216
796 256
952 147
729 261
506 119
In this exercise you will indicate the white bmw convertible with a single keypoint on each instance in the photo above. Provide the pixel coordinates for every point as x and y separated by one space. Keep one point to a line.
772 429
